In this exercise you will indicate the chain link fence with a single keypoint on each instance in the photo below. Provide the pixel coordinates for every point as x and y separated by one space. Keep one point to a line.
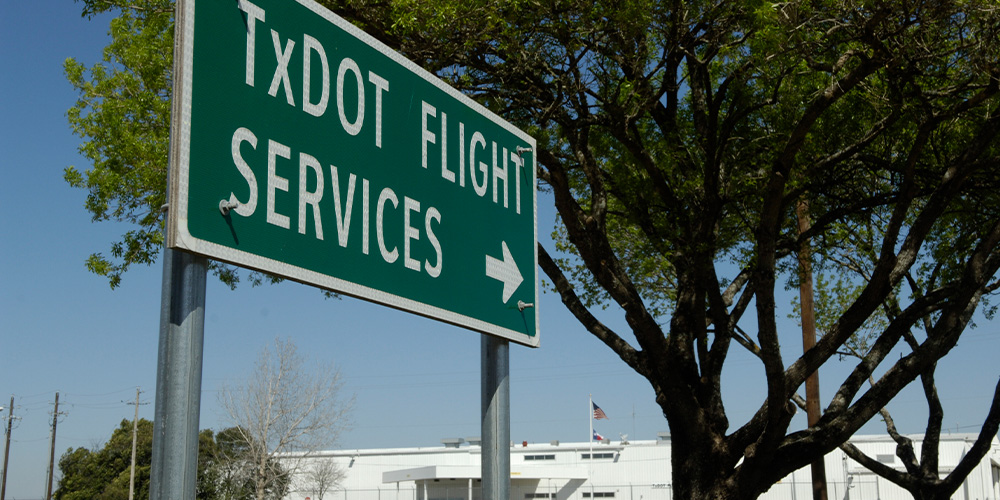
859 488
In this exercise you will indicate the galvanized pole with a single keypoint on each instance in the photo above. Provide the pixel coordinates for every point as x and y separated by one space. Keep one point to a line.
174 467
495 373
178 377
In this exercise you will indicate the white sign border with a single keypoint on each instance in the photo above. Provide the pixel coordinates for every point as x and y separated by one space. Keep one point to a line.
178 235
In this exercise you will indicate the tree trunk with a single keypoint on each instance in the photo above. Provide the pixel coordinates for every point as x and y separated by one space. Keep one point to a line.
698 473
925 492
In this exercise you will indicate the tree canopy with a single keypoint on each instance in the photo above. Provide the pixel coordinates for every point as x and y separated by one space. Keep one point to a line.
104 474
123 115
677 139
225 469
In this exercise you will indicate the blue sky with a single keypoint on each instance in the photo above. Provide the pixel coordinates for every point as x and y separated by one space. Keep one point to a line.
416 380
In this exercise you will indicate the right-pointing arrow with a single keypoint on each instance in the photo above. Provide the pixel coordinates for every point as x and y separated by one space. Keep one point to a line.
505 271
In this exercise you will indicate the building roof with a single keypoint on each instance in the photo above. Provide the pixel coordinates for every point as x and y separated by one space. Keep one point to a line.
432 472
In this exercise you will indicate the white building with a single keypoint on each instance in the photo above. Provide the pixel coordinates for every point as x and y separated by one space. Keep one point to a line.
637 470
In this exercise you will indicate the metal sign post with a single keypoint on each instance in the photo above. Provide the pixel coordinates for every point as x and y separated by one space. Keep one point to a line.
496 418
174 469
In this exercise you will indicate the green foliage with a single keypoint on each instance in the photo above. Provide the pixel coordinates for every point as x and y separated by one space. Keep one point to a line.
104 474
123 115
207 487
834 293
230 469
232 465
224 473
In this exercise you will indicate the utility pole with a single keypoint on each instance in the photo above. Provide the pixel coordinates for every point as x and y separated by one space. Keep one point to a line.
135 428
809 341
52 449
6 448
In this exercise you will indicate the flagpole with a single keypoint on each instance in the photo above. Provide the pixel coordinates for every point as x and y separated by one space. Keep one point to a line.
590 410
590 464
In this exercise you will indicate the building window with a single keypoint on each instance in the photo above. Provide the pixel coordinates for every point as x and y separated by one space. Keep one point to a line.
539 457
597 456
539 495
599 494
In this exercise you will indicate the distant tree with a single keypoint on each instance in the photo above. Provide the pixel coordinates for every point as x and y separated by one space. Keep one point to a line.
226 469
104 474
233 466
285 404
320 476
207 486
80 476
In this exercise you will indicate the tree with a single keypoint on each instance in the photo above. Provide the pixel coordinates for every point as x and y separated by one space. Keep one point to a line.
208 474
227 469
123 115
104 474
921 476
283 413
677 137
321 476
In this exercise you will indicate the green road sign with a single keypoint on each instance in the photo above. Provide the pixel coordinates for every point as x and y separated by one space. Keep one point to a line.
305 148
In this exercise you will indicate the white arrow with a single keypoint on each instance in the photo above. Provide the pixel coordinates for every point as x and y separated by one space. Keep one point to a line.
505 271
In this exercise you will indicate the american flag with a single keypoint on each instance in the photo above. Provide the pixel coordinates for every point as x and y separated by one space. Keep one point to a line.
598 412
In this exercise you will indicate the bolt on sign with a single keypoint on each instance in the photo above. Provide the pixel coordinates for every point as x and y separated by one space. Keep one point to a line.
304 148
